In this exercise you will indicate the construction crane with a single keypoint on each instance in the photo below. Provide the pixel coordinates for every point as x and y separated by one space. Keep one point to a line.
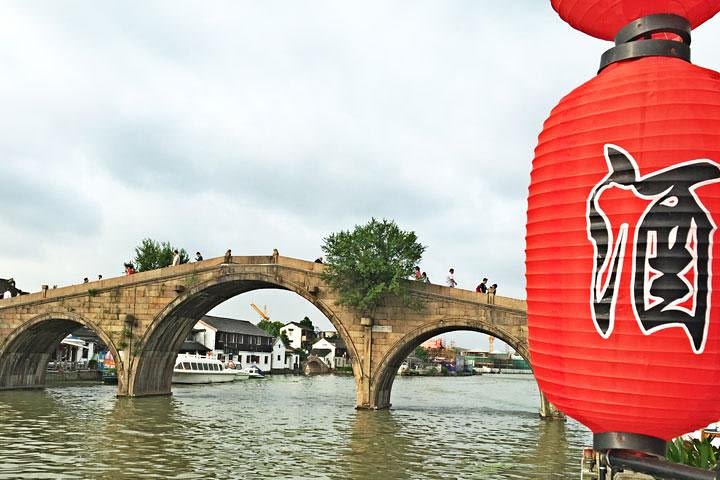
263 313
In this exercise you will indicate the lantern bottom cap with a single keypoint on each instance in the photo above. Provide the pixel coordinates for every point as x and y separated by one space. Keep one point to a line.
629 441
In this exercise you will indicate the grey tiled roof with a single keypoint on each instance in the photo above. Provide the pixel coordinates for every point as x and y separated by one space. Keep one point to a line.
320 352
232 325
337 341
190 347
297 325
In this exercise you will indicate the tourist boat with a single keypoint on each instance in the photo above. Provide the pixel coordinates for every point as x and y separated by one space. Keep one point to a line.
250 372
201 369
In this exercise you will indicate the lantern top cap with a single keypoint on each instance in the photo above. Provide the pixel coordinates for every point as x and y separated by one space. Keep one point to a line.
603 19
636 40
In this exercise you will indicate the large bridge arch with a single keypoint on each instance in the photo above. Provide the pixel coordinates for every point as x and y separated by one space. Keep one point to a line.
151 372
384 375
25 354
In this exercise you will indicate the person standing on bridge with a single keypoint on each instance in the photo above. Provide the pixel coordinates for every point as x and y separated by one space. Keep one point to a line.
228 256
418 275
491 293
482 288
425 278
198 257
450 280
176 258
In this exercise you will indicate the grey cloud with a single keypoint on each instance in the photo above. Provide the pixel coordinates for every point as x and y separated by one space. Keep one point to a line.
39 204
153 157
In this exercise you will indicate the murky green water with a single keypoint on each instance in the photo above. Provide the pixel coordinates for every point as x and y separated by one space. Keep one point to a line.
289 427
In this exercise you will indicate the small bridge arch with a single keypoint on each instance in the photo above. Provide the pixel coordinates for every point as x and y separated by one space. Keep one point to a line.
25 354
315 365
396 354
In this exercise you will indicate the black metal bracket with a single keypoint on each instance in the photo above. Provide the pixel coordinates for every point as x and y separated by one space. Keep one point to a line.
635 40
646 26
645 48
629 441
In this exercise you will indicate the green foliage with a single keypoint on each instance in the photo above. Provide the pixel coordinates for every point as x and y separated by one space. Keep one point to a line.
696 453
421 353
307 323
273 328
310 336
92 292
371 262
151 254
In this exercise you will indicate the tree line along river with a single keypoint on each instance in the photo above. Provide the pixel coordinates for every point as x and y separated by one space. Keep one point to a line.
290 427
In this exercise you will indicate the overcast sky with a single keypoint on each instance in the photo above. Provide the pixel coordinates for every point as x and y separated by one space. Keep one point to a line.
270 124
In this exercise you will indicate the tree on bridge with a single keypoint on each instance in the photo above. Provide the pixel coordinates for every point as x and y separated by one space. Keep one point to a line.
151 254
370 263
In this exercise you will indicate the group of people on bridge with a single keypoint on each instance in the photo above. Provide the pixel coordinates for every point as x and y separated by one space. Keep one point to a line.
450 281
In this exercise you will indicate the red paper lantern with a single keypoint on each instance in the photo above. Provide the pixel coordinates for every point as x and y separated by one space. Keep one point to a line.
603 18
622 243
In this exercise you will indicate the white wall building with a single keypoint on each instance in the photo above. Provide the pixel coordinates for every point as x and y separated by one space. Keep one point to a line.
238 340
73 349
332 351
296 334
284 359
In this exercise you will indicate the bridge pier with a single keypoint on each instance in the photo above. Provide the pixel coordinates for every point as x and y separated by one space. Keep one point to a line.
150 375
369 391
548 410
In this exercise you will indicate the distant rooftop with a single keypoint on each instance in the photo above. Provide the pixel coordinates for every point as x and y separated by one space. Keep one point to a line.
320 352
233 325
192 347
337 341
297 325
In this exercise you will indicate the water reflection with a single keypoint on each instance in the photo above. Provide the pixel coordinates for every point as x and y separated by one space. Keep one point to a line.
142 436
289 428
551 451
41 436
377 447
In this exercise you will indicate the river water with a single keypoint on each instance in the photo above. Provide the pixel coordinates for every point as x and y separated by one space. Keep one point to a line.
290 427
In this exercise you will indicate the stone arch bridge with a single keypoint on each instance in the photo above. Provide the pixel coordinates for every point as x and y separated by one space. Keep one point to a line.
144 318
